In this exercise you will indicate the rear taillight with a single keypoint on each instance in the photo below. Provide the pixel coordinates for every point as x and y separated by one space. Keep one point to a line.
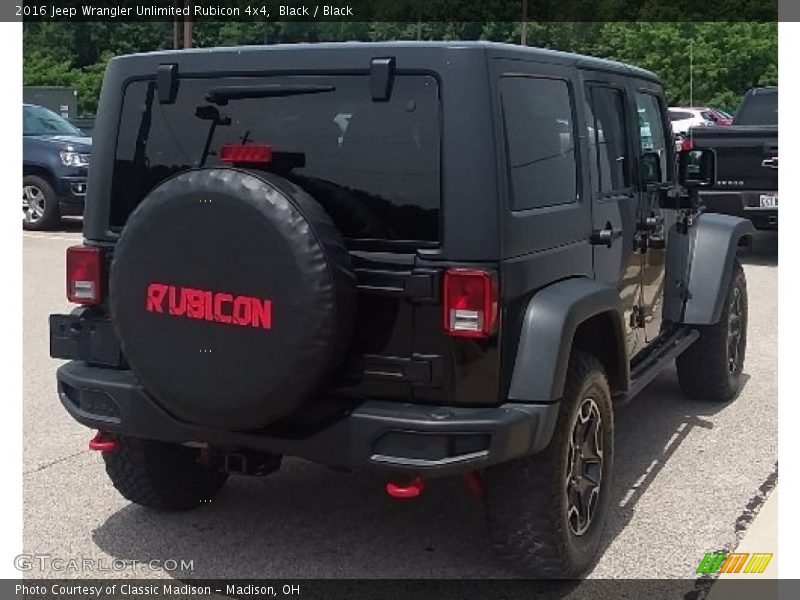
470 303
686 144
84 268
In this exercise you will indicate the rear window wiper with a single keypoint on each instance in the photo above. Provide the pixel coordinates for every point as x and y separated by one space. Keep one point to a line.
221 95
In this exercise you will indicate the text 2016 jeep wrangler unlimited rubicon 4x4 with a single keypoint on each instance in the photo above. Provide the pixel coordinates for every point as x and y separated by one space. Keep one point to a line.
425 258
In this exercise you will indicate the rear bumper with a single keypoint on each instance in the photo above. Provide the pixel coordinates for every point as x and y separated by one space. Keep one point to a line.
429 440
743 204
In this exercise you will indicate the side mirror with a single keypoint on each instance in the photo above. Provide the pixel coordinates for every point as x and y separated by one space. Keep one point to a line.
650 166
696 168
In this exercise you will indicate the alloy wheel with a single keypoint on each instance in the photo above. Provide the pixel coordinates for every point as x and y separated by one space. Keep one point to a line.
734 330
32 203
584 467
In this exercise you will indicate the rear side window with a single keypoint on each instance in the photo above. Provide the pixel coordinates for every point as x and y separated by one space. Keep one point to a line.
374 166
609 150
540 141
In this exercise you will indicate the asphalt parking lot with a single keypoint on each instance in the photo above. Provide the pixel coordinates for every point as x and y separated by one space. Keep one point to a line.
689 478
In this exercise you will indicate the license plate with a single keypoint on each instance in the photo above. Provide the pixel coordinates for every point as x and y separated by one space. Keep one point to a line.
768 201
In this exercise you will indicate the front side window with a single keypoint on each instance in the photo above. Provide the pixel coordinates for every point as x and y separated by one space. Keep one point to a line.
540 141
652 136
609 151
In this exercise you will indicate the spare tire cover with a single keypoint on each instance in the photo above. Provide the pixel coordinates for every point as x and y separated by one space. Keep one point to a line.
232 295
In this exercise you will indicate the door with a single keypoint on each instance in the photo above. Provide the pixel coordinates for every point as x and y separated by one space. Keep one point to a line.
615 200
653 137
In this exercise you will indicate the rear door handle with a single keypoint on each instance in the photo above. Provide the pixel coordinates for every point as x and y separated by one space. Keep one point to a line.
605 237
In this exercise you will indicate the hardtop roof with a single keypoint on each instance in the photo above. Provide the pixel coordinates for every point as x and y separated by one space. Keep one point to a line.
491 49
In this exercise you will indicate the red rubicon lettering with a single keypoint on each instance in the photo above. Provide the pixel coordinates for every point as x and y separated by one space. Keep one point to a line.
155 297
241 310
195 304
222 317
177 301
262 313
222 307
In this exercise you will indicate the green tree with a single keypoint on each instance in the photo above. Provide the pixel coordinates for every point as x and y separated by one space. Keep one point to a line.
726 58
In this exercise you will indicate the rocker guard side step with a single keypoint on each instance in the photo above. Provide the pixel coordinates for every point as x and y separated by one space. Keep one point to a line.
392 436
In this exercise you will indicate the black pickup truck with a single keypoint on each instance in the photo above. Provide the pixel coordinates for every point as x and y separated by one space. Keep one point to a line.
746 160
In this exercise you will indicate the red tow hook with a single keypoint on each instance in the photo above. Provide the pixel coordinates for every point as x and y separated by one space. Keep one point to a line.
410 490
103 443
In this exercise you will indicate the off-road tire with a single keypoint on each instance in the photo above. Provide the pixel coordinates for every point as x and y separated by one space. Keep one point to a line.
526 499
51 217
703 369
161 476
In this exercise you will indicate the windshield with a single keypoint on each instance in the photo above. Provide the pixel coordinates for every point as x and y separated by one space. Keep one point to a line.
37 120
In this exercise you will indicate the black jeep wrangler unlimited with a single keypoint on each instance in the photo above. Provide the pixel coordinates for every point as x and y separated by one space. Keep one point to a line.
424 258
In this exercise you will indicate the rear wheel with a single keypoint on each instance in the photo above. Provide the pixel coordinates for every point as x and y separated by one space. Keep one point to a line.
711 368
546 512
39 204
161 476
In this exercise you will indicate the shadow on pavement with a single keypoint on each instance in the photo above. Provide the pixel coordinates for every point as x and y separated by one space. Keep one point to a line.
308 521
67 225
763 250
71 225
649 431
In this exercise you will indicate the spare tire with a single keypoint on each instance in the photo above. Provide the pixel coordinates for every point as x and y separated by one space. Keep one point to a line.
232 295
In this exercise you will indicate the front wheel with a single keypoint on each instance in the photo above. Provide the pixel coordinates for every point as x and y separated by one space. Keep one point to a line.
39 204
711 368
546 512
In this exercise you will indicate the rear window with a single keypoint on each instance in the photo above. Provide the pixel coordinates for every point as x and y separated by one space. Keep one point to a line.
679 115
758 109
374 166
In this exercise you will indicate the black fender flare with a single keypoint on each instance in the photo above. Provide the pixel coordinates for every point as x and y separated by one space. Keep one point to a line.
715 238
551 319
